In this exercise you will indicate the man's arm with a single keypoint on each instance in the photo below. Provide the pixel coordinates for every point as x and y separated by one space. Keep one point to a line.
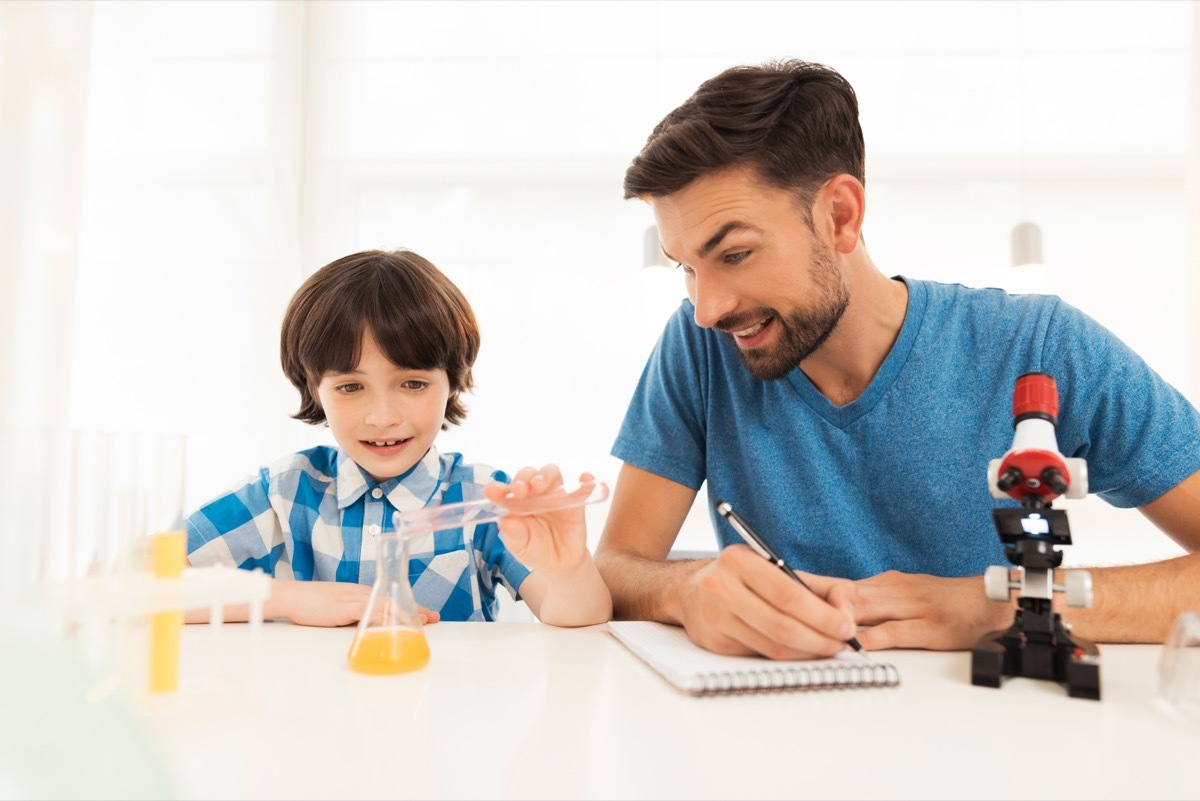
1139 603
1132 603
644 518
738 603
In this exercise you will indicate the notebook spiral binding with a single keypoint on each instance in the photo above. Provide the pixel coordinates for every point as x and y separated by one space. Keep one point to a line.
818 677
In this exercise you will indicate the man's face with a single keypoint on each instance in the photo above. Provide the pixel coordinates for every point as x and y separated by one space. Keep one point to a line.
755 269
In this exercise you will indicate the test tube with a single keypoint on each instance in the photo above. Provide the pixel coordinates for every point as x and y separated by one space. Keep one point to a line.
169 549
457 515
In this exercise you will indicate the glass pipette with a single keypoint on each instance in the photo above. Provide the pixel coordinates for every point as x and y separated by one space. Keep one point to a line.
457 515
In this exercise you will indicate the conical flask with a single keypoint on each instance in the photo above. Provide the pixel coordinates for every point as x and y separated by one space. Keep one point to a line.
389 637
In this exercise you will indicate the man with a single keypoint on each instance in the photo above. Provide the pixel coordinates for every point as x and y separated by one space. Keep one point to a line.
849 417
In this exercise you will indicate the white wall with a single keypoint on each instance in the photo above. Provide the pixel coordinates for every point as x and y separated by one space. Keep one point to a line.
233 148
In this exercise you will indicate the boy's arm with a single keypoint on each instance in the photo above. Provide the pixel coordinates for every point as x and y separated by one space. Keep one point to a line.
576 597
565 588
243 520
308 603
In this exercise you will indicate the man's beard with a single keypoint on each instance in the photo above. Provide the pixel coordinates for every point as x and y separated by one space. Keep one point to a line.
801 333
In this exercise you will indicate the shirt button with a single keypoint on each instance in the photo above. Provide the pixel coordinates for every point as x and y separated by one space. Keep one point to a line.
374 530
377 493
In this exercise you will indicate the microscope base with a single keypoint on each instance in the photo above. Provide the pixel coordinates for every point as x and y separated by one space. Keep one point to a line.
1013 652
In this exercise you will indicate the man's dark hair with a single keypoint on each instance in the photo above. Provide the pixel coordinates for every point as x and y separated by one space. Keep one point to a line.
418 317
794 122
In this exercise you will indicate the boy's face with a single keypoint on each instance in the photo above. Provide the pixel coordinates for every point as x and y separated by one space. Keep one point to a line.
386 417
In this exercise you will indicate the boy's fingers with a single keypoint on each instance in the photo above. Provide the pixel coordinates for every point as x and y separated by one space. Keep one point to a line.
515 534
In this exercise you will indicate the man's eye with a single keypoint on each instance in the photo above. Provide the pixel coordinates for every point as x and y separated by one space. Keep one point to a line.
736 258
687 270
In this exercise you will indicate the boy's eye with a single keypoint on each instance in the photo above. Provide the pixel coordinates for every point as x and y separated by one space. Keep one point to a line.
415 385
347 389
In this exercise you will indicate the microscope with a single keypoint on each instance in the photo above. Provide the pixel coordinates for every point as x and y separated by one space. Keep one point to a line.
1038 645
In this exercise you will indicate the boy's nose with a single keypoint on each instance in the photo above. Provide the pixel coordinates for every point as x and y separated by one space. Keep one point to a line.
384 412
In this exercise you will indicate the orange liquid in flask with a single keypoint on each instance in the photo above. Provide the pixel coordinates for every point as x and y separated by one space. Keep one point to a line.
381 651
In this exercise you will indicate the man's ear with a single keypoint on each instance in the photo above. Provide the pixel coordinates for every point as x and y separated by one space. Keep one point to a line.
844 200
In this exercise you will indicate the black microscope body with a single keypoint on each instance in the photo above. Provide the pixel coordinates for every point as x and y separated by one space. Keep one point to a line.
1038 644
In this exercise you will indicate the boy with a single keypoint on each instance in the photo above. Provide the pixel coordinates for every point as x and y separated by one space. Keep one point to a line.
380 346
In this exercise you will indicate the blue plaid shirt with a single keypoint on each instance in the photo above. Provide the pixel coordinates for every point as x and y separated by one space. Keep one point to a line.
315 516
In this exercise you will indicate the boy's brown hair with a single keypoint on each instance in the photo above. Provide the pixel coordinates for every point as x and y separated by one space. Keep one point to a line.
417 315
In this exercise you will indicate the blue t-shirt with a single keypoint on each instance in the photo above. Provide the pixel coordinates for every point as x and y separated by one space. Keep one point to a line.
897 479
316 516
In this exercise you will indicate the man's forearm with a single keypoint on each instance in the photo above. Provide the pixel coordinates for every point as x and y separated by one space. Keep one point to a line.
646 589
1135 603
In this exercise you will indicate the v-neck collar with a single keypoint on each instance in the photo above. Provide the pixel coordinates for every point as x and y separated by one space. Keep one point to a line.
842 416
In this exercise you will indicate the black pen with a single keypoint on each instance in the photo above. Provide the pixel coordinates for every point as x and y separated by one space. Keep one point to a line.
754 541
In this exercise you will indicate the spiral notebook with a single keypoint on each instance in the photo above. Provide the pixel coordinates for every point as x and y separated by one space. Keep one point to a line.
696 671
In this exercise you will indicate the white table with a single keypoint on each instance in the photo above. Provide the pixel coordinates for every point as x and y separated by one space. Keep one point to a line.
525 710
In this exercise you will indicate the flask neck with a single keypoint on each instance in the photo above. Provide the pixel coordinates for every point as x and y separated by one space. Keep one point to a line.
392 584
392 565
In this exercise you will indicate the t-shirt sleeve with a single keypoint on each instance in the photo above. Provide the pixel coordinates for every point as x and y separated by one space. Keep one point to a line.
1139 435
500 565
239 528
664 429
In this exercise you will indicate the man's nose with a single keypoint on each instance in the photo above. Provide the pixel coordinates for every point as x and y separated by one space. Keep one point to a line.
712 299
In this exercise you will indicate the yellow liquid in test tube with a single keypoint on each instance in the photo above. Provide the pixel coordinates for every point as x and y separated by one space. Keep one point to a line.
381 651
168 553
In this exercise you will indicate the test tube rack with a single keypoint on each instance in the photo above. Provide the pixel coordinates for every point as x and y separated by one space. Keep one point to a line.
114 602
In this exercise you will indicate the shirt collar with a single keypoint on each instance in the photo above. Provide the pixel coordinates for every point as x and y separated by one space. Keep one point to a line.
413 490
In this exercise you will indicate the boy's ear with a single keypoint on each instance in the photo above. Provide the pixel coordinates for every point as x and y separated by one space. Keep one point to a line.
450 400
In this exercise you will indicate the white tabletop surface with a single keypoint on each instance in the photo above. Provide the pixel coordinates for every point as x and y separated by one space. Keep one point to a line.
525 710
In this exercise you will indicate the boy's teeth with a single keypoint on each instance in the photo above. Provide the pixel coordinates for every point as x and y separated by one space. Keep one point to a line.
384 444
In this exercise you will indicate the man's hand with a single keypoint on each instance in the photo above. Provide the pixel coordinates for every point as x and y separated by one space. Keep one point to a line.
740 603
906 610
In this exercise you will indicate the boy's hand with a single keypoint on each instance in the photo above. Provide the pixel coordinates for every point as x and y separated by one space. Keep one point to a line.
554 541
564 587
327 603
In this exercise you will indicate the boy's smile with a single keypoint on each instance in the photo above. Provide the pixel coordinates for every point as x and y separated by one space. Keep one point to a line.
384 416
386 448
